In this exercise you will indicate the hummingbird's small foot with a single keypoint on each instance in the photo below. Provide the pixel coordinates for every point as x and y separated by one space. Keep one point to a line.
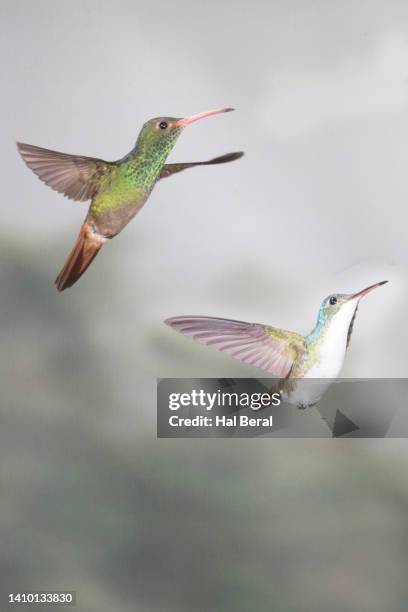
302 406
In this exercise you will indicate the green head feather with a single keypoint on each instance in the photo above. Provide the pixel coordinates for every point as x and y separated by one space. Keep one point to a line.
155 142
331 306
157 138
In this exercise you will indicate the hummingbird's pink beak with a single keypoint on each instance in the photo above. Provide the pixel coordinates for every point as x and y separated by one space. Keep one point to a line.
188 120
360 294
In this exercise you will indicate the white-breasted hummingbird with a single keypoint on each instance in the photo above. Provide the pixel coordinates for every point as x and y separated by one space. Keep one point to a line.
287 355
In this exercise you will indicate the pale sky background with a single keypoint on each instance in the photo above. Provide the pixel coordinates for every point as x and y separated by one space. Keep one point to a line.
319 203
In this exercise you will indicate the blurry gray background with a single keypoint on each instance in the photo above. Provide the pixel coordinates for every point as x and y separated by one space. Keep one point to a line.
90 500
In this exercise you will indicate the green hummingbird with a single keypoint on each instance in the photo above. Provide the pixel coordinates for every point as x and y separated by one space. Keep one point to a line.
117 189
285 354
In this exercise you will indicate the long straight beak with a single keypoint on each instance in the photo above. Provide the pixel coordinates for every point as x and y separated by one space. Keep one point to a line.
188 120
360 294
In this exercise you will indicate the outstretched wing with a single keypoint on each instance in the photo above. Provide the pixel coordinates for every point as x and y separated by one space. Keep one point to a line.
76 176
271 349
169 169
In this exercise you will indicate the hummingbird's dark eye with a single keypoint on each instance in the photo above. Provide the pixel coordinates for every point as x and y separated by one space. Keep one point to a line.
333 300
163 125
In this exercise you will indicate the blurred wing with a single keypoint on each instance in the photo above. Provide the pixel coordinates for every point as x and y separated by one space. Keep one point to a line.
271 349
169 169
75 176
350 329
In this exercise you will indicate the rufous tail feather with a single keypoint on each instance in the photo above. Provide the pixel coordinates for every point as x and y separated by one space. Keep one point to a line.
86 248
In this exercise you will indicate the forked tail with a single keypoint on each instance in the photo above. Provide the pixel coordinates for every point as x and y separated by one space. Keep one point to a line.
86 248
